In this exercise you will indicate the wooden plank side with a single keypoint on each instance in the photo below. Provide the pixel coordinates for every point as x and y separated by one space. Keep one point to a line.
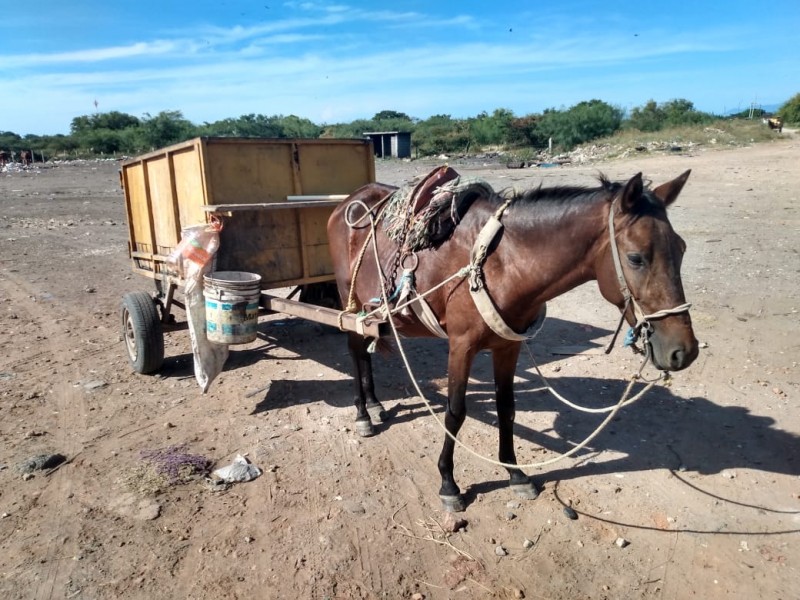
162 203
262 242
140 219
189 187
316 249
335 168
246 173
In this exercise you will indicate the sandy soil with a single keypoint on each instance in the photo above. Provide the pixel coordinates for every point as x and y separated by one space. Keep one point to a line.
701 479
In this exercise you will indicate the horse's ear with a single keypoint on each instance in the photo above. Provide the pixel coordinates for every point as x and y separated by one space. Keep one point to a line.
631 194
668 192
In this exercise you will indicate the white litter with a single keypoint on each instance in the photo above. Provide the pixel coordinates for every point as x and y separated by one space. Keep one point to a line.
240 470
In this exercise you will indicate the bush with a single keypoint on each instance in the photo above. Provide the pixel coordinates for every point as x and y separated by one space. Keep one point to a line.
790 112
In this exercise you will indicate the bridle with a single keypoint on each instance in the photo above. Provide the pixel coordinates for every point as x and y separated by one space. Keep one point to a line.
642 327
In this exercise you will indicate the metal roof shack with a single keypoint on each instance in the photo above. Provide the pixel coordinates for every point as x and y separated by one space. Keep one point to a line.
390 144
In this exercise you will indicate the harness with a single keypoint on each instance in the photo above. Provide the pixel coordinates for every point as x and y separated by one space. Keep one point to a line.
642 326
407 297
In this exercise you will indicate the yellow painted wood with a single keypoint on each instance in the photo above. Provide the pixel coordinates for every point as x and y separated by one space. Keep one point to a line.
283 241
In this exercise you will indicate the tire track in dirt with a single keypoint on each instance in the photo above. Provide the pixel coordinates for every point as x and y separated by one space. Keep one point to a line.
56 532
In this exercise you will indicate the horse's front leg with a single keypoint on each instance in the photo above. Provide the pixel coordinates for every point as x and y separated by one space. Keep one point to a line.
368 409
504 361
458 367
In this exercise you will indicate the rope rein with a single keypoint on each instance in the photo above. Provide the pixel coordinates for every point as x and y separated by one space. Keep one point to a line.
474 270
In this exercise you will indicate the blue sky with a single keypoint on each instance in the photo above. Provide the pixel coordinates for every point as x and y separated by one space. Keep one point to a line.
338 61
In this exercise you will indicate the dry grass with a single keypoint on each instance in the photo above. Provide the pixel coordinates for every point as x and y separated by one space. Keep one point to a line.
735 132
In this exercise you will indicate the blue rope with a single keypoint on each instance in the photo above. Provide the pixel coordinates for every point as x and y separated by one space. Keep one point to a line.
406 277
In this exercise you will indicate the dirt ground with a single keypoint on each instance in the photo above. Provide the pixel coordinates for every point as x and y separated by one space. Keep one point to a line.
701 480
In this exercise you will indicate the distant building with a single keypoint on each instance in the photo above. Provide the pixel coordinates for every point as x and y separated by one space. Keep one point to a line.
390 144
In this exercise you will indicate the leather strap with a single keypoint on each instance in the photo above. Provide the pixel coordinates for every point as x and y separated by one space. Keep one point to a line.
477 283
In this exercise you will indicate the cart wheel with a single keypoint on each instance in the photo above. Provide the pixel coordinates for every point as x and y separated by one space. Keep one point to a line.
142 332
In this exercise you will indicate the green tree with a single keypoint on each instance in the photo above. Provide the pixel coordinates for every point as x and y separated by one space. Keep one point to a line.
292 126
790 111
386 115
166 128
649 117
682 112
441 134
113 120
581 123
491 129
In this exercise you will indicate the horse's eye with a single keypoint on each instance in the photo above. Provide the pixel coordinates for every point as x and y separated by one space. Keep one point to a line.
635 260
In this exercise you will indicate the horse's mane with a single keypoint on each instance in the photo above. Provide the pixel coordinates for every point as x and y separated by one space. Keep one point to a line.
565 196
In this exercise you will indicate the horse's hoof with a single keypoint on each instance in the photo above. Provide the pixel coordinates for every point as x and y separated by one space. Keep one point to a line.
453 503
527 491
377 413
365 428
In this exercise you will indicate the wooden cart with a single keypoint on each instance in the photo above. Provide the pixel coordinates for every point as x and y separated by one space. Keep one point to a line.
274 197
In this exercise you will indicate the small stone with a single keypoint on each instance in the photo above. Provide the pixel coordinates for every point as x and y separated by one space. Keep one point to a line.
570 513
510 516
452 524
527 544
513 504
354 508
27 476
728 474
519 594
4 516
168 425
248 539
500 551
90 386
622 542
417 596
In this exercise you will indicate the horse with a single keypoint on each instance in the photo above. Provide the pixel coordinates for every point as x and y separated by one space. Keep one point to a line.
546 242
25 157
5 157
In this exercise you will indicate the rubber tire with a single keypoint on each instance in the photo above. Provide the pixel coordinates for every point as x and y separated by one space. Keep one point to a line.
142 332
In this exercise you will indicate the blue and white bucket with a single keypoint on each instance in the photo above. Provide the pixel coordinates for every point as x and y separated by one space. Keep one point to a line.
231 306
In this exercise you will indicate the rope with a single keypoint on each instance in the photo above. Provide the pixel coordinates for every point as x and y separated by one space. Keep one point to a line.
622 402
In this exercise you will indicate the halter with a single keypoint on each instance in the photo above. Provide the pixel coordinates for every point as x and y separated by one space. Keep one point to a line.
642 325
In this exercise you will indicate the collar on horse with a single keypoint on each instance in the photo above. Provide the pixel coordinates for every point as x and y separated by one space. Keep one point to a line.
488 311
477 283
642 327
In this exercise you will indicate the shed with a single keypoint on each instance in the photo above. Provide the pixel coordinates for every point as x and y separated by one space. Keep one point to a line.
390 144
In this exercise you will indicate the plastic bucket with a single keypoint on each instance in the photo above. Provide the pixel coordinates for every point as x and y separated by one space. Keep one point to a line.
231 306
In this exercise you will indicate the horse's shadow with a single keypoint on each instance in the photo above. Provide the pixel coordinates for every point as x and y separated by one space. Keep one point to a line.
661 430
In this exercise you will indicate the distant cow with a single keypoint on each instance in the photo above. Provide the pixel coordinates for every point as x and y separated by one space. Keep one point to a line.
775 123
5 157
25 157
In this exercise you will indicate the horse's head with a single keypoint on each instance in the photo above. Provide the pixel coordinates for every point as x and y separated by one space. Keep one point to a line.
643 262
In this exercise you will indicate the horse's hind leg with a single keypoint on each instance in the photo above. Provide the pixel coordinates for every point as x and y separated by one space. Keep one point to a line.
505 364
366 403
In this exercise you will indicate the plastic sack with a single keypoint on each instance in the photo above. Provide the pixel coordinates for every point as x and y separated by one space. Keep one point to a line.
195 252
240 470
193 258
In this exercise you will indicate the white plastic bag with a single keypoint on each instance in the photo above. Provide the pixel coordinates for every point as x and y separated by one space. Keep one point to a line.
193 258
238 471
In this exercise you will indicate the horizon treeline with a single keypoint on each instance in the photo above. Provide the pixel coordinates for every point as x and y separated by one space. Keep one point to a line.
115 133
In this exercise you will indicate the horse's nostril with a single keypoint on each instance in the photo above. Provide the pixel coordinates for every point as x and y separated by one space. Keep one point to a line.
677 358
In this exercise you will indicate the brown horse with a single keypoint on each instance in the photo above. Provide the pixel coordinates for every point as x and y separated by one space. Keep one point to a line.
25 157
551 241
